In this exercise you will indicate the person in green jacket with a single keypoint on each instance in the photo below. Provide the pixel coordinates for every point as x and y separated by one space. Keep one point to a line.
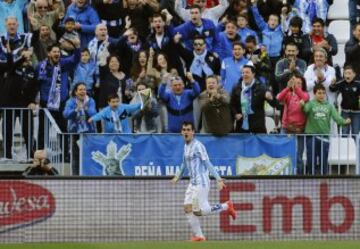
319 113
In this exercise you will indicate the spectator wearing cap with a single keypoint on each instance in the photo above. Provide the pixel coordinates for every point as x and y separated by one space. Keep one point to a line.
198 26
85 18
247 103
179 102
319 38
70 38
39 13
212 14
199 61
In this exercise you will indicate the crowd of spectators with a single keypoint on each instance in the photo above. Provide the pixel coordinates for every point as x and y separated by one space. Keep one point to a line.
214 63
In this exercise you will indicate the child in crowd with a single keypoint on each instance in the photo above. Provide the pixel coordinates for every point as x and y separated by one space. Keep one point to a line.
319 113
69 37
85 71
294 119
244 31
116 115
350 104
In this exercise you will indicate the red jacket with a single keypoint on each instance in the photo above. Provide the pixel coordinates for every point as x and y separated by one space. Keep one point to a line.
293 113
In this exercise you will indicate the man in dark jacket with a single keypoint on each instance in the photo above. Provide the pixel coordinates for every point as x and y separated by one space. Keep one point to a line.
52 76
199 61
247 103
161 40
352 50
18 90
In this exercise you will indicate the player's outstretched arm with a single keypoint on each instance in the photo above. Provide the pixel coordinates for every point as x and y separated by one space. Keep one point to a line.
214 173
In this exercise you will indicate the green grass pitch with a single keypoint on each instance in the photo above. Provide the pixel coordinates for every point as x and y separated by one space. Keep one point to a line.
190 245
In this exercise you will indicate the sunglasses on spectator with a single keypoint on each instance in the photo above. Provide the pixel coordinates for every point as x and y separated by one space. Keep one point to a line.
198 44
42 7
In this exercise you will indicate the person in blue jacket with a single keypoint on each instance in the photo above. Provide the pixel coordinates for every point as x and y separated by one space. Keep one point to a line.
198 26
78 109
85 71
52 75
86 19
179 102
244 31
231 67
116 115
226 40
272 35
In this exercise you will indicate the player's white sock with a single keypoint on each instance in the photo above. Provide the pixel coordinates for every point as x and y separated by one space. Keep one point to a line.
214 209
194 224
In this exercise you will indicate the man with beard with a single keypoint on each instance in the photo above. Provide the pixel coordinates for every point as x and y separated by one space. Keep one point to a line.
52 75
288 66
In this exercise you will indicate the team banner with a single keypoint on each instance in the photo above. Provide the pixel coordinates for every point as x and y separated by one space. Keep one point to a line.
161 155
120 209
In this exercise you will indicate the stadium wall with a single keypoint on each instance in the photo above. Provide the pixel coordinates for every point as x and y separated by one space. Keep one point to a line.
137 209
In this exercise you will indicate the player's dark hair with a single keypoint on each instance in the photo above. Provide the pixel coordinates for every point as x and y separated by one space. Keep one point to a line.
187 123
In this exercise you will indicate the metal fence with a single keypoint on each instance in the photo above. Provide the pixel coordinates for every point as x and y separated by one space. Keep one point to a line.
20 136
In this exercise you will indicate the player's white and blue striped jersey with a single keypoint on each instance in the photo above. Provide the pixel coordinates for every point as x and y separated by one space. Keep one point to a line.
196 160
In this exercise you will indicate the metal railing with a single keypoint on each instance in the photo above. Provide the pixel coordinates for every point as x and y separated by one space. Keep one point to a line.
20 137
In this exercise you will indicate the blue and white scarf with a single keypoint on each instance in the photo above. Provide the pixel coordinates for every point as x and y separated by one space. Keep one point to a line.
96 53
54 97
199 65
245 103
25 44
81 117
311 10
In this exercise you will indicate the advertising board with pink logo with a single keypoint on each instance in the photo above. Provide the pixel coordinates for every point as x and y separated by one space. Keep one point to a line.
137 209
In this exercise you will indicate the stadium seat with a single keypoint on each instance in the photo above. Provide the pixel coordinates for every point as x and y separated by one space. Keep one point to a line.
339 58
339 10
342 151
340 29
